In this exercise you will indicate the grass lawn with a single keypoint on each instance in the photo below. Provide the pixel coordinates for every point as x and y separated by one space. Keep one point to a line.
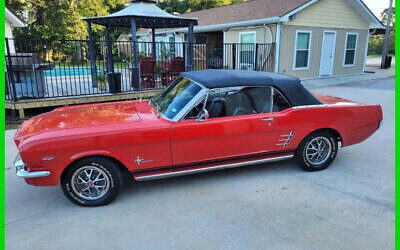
11 126
117 65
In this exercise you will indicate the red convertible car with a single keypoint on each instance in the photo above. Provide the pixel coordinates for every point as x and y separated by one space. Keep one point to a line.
205 120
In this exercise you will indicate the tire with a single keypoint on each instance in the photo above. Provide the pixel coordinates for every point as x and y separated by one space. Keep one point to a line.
104 185
317 151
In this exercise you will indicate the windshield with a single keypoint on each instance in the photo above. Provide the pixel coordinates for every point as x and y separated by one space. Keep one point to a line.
174 98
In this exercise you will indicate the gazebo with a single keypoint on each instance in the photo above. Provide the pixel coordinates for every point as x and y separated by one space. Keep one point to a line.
139 14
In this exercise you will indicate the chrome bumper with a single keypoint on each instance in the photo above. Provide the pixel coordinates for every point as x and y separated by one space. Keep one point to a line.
21 172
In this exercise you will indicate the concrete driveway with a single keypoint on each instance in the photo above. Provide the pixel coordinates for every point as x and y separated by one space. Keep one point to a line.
272 206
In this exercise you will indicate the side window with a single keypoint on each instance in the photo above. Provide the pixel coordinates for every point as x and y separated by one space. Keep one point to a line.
350 49
279 101
260 98
302 50
232 101
195 112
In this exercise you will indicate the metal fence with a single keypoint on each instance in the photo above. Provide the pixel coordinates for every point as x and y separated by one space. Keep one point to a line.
43 69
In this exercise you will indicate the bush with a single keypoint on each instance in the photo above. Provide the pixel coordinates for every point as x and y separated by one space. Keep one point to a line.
375 46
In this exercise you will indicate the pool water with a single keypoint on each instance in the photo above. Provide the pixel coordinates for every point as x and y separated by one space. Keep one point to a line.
67 72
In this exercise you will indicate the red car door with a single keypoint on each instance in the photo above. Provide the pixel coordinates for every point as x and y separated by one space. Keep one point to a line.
269 130
219 138
281 130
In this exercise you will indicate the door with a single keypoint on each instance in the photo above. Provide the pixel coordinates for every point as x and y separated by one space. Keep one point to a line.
327 53
249 125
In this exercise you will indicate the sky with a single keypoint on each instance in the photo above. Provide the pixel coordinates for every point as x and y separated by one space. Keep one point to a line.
377 6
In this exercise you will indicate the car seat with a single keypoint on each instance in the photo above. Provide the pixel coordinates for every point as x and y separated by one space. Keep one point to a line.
217 108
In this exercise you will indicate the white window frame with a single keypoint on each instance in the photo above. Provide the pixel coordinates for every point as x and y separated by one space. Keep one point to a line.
239 49
295 50
345 49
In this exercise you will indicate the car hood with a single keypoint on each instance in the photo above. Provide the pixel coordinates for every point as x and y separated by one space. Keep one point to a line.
70 117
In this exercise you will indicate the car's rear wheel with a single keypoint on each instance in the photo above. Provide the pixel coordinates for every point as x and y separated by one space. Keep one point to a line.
317 151
93 181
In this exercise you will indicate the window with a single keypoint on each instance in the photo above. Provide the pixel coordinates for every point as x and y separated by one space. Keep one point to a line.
160 48
234 101
260 98
279 102
350 49
172 45
247 50
174 98
302 50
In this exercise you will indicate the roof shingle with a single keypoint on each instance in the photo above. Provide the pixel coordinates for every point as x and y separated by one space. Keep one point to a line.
250 10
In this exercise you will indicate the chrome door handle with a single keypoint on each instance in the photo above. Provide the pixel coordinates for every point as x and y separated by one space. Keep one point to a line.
270 119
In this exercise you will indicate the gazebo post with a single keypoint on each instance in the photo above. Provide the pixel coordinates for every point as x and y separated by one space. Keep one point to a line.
110 62
189 61
92 55
135 66
153 43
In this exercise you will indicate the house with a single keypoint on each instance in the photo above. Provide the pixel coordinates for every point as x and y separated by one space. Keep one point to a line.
11 20
310 38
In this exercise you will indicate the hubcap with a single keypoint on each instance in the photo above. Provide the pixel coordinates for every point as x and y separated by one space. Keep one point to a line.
90 183
318 150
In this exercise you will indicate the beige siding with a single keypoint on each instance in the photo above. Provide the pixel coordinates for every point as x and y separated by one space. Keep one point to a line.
331 14
8 30
338 68
288 39
8 33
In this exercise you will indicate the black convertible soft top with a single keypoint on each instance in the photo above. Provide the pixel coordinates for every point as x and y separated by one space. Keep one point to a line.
290 86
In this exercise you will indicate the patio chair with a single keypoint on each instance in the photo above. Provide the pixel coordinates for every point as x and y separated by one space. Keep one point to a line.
146 73
176 67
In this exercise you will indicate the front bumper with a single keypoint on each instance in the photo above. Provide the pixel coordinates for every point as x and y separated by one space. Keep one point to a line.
21 171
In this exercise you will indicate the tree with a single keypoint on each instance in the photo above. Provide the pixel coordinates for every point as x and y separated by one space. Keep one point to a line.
375 46
172 6
60 19
207 4
182 6
384 16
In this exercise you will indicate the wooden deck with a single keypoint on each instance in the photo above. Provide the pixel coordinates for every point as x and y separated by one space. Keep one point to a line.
21 105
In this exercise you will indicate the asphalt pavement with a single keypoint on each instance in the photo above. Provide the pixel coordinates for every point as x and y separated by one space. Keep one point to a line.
350 205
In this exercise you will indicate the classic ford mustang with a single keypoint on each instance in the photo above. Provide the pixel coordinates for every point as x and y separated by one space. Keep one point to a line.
205 120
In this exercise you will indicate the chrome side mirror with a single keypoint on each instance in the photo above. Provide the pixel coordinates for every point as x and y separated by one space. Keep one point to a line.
203 116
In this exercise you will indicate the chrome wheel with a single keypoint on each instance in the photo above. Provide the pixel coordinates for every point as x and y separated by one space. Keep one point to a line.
318 150
90 182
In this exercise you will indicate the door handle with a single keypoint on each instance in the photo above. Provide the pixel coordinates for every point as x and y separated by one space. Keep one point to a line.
269 119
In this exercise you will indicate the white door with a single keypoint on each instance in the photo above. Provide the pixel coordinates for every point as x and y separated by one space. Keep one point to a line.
327 53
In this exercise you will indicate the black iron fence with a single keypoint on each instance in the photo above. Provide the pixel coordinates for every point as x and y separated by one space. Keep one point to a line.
43 69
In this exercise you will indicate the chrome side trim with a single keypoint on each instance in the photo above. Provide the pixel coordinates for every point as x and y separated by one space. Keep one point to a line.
212 168
285 142
310 106
35 174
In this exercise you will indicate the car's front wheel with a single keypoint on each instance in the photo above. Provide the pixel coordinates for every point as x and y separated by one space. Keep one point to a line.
92 181
317 151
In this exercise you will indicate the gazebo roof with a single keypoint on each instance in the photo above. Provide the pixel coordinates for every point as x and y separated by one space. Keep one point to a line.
146 15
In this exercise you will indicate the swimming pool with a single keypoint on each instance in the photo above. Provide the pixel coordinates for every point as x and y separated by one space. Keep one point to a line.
56 72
